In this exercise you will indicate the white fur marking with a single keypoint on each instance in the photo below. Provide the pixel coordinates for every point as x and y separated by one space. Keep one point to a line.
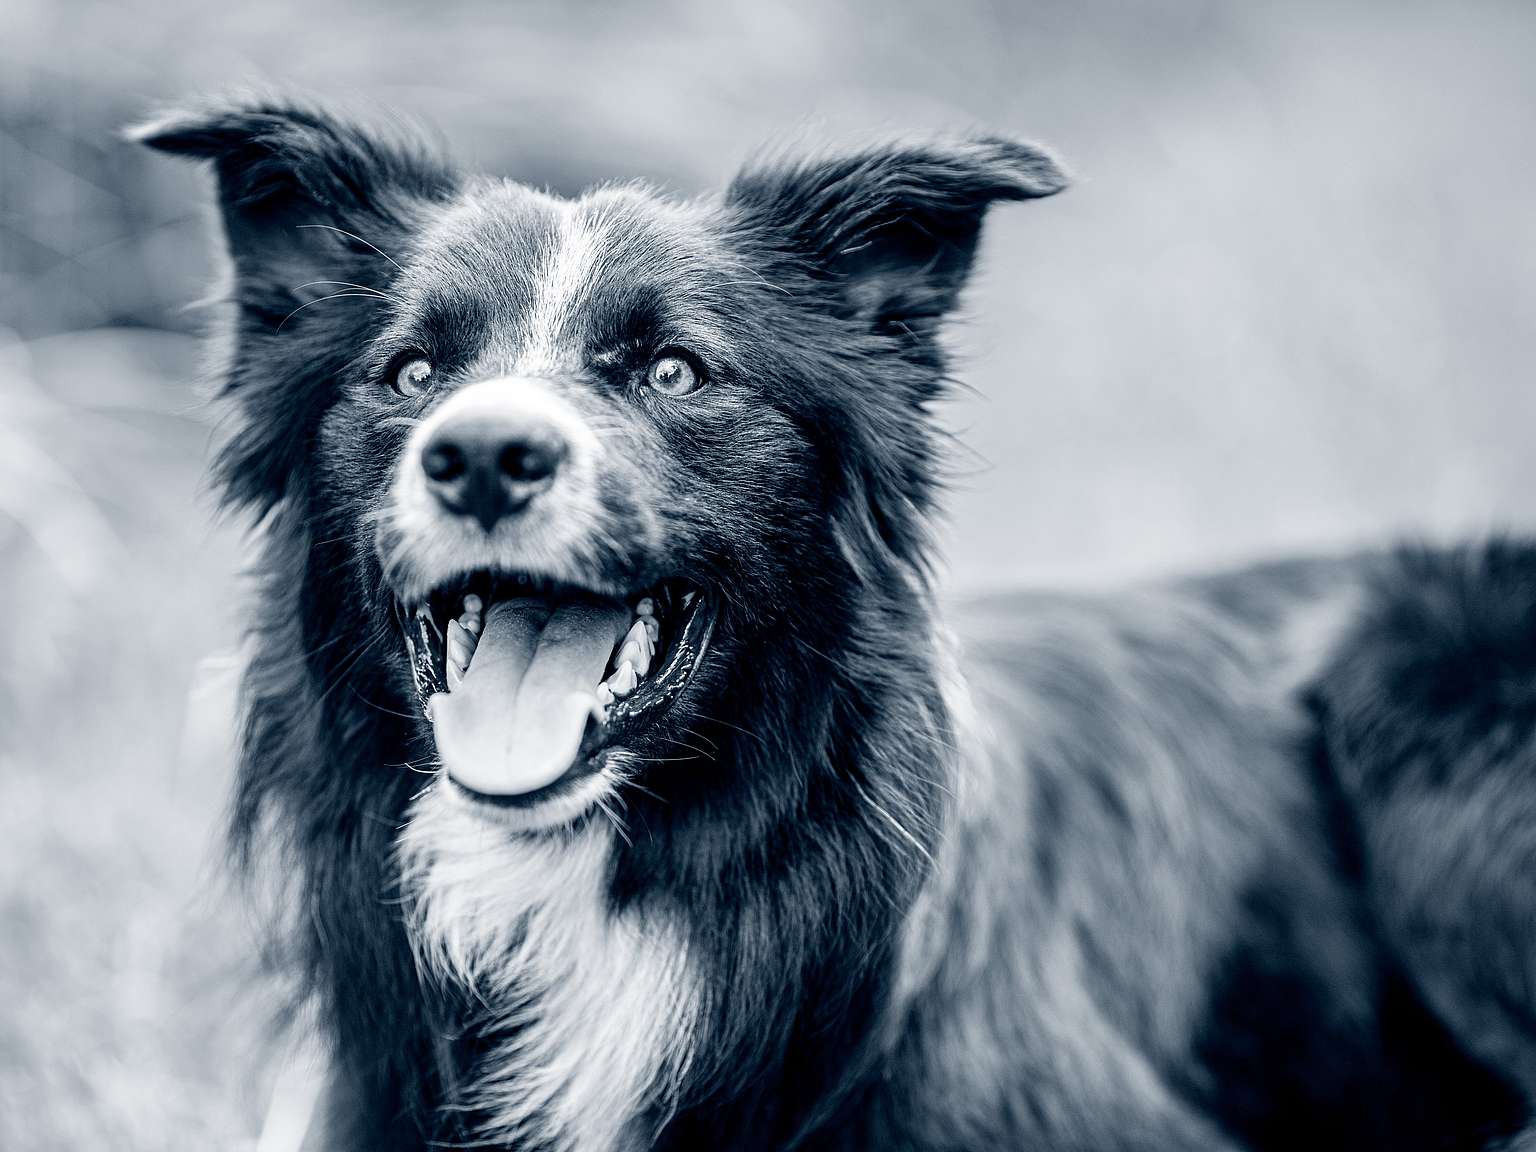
598 1011
421 544
563 283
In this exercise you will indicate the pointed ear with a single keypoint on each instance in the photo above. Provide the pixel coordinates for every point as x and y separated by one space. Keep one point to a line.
313 208
303 195
893 229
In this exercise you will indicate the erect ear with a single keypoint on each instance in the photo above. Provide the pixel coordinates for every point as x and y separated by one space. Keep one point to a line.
895 228
304 196
313 208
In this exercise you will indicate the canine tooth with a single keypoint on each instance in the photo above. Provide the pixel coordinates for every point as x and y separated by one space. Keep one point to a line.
604 695
646 607
455 676
688 599
636 656
641 635
623 681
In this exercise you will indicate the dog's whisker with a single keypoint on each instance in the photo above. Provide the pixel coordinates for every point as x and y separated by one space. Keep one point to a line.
700 736
354 236
323 299
692 748
615 820
631 782
376 706
347 284
734 728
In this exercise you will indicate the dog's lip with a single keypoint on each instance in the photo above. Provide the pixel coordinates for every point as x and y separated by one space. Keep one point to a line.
578 771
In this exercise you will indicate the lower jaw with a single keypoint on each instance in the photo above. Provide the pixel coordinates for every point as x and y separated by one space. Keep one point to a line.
561 789
566 807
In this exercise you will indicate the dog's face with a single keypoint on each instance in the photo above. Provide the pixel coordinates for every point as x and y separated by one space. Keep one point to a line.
597 464
588 456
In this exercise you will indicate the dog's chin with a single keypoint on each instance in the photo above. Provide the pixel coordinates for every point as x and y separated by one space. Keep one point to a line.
537 692
565 805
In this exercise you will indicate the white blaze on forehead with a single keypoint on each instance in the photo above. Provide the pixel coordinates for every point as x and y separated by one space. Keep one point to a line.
561 284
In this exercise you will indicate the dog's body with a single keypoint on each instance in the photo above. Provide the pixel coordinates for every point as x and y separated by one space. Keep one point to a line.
1079 873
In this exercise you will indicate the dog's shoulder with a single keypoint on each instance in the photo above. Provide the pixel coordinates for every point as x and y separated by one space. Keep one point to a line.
1252 637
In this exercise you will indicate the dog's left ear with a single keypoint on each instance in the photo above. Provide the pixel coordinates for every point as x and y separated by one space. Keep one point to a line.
894 230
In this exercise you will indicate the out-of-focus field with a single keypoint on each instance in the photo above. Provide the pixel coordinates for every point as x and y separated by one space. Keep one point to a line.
122 966
1287 306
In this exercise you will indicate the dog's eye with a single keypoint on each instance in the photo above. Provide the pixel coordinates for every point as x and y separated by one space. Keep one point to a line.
411 376
675 373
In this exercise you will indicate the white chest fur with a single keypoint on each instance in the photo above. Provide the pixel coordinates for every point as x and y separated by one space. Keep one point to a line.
598 1010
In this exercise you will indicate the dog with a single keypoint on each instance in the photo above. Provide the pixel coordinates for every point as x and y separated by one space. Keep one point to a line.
637 790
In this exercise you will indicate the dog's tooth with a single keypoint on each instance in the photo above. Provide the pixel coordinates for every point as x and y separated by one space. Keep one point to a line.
461 645
688 599
641 635
652 628
473 604
636 656
623 681
646 607
455 676
604 695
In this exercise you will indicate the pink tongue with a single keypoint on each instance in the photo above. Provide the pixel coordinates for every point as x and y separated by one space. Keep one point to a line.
515 722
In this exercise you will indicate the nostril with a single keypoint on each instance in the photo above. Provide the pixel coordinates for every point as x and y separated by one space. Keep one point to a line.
531 460
443 461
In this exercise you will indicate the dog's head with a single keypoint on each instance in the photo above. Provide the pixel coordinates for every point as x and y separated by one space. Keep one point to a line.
590 456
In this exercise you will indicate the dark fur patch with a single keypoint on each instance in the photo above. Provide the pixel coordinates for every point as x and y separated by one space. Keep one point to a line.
1443 662
1290 1070
1430 716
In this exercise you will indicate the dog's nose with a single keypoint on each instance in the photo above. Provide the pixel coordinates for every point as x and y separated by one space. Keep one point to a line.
489 469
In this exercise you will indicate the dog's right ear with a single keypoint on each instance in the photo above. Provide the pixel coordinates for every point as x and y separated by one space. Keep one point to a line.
304 196
313 209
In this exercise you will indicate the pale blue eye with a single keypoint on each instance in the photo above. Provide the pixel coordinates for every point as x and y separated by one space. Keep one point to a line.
672 375
413 377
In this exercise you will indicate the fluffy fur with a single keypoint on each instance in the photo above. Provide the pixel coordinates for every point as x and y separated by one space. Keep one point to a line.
1146 872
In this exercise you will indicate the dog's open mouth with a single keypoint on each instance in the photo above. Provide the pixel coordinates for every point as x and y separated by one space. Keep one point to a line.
528 682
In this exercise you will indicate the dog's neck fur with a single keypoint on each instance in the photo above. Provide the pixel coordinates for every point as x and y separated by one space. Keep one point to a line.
592 1013
604 1016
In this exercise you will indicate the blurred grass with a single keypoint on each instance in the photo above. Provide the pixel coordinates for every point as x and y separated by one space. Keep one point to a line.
131 1017
1288 305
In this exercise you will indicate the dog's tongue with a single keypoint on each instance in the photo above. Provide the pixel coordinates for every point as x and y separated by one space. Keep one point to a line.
516 720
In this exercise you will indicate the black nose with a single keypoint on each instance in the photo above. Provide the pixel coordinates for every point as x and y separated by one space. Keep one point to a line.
487 469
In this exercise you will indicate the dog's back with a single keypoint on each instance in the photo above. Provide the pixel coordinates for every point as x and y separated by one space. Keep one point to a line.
1151 901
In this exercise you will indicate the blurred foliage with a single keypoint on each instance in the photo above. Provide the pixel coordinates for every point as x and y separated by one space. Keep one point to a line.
1287 305
133 1012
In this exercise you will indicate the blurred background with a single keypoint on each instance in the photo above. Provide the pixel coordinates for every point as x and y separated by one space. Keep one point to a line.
1287 307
